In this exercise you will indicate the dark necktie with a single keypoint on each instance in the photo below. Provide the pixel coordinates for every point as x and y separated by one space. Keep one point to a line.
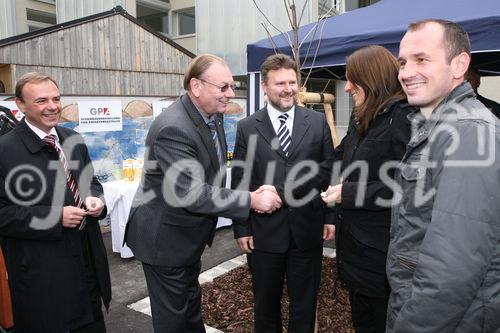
215 138
51 141
284 133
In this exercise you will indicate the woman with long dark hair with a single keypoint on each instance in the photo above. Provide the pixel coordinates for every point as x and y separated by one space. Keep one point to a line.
378 133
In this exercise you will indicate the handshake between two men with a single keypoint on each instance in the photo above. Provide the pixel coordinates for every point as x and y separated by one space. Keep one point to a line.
265 199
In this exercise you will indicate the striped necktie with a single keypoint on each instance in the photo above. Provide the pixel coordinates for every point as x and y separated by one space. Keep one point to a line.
71 183
284 133
215 138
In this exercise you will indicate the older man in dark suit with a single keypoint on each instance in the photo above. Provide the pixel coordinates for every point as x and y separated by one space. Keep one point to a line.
288 143
49 206
176 207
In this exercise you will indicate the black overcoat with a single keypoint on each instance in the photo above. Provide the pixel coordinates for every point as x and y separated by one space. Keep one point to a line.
45 261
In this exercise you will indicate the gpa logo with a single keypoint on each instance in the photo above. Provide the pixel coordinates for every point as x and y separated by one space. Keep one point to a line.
100 112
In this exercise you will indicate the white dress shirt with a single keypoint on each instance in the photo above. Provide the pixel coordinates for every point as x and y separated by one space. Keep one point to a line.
274 116
41 134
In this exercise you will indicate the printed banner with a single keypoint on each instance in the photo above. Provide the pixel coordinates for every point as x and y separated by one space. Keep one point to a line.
13 109
159 107
100 116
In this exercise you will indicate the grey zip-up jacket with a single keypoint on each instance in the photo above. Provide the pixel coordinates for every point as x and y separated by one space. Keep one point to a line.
443 262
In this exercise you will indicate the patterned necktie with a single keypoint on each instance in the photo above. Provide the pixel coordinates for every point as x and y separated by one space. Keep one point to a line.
284 133
215 138
51 141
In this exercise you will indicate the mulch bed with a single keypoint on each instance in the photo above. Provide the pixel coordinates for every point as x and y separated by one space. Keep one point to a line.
228 302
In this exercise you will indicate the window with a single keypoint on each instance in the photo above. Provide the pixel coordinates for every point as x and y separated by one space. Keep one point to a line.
39 19
153 17
364 3
186 24
39 16
350 5
328 7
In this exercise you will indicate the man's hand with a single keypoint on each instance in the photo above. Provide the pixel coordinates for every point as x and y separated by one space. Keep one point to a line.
72 216
265 199
94 206
245 244
328 232
333 194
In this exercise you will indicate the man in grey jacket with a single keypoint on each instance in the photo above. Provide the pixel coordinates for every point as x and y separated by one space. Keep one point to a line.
175 209
443 262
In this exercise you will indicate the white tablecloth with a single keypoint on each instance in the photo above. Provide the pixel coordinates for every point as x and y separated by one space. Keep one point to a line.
119 195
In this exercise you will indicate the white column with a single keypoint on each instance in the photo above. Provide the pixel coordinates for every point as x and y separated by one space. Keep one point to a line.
343 107
251 93
68 10
255 95
7 18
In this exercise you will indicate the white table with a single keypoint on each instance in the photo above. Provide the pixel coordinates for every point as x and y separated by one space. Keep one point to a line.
118 195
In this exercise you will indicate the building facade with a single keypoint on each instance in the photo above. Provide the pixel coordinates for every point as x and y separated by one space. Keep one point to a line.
104 54
173 18
222 27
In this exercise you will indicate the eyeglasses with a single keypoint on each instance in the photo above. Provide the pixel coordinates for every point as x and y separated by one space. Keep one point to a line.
222 88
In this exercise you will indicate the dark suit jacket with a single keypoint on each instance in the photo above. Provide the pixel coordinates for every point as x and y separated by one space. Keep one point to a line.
311 141
162 230
46 266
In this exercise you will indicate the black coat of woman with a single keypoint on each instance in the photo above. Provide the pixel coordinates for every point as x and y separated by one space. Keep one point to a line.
362 230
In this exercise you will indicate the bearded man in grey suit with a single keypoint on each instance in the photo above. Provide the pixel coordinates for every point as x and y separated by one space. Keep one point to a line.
175 209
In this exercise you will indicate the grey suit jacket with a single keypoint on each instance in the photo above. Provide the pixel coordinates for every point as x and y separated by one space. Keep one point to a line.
175 209
311 141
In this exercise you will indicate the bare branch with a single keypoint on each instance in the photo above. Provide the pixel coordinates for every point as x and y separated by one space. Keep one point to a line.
287 6
266 18
317 49
326 86
322 19
302 12
327 14
270 23
309 48
315 27
275 47
295 30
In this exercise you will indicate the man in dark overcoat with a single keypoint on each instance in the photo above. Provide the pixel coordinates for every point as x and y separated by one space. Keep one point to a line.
50 203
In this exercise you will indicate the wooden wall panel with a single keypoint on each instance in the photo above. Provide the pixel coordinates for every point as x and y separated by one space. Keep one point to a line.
109 43
109 56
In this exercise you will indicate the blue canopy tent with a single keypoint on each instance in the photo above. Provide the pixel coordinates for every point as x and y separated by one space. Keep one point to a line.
383 23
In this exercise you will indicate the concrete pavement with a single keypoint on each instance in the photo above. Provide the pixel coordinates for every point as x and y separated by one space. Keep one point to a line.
129 284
